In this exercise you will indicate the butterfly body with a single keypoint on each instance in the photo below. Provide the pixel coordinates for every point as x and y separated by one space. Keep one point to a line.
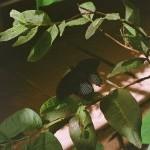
79 79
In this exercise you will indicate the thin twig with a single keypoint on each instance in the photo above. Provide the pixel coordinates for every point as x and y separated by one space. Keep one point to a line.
121 142
111 83
44 128
5 4
95 12
116 41
136 81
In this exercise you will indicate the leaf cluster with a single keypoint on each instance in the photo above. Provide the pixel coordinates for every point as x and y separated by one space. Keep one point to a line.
119 107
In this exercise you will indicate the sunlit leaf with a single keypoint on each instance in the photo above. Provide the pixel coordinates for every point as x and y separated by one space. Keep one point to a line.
112 16
146 129
54 109
87 10
62 27
26 36
93 27
76 22
16 15
31 17
132 13
46 141
123 113
15 23
12 32
127 66
46 2
25 119
82 131
43 44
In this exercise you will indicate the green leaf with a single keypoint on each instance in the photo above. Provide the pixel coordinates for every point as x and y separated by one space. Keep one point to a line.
46 2
62 27
26 36
46 141
127 66
136 39
132 31
31 17
93 27
146 129
16 15
76 22
54 109
12 32
142 31
87 10
123 113
112 16
27 144
7 147
82 131
25 119
132 13
43 44
15 23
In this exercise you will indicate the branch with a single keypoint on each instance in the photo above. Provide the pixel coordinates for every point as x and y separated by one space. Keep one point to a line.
95 12
119 43
136 81
35 134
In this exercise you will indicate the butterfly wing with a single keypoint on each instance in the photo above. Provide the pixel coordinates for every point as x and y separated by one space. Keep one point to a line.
87 66
95 79
67 85
79 80
85 88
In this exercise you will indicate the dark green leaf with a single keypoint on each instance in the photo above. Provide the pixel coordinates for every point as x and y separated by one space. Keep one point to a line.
25 119
82 131
112 16
127 66
146 129
136 39
62 27
27 144
87 10
76 22
43 44
46 2
26 36
54 109
93 27
6 147
123 113
46 141
99 146
12 32
132 13
31 17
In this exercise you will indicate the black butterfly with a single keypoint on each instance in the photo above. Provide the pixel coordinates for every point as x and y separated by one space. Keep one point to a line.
79 80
